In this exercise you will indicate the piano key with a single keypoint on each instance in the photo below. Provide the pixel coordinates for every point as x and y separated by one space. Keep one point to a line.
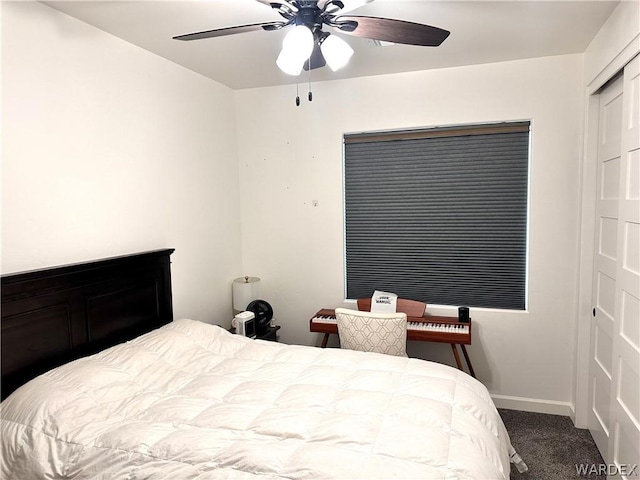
324 319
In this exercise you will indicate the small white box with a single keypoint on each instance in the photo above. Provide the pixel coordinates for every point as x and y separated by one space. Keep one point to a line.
246 324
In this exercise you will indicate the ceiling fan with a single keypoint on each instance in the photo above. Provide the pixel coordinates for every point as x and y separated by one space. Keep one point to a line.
308 46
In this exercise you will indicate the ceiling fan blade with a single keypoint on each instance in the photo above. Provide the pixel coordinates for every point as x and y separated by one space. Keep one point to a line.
271 2
316 60
391 30
351 5
220 32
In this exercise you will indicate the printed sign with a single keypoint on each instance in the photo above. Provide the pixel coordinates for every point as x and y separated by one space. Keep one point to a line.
384 302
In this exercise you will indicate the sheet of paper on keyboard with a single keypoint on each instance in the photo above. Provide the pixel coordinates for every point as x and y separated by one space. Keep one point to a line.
383 302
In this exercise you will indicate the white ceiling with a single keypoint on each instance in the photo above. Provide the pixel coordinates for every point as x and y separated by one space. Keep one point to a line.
481 32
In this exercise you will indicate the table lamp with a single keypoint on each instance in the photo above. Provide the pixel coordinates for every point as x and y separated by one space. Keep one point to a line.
245 289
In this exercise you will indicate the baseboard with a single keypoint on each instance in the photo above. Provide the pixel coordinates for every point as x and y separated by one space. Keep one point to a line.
534 405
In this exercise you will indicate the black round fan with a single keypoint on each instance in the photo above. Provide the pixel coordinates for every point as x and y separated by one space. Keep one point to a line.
264 313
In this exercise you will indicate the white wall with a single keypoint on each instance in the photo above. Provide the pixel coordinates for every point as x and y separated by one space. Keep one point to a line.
108 149
290 156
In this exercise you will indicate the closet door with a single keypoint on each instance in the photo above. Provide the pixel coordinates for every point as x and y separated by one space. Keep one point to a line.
624 423
614 373
605 262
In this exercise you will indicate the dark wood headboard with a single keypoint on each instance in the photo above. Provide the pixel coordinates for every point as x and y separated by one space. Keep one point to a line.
55 315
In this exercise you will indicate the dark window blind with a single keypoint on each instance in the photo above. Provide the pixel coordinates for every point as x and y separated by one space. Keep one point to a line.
439 215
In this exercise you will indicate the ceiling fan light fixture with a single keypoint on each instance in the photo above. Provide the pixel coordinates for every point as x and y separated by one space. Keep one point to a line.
336 52
289 64
296 49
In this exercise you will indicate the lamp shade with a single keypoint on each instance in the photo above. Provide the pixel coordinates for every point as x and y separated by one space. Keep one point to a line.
336 52
296 49
245 290
289 64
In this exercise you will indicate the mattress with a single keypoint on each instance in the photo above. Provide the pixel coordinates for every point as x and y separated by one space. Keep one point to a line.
192 401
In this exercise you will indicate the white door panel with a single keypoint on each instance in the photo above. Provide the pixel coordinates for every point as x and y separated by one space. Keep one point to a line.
605 263
629 325
624 438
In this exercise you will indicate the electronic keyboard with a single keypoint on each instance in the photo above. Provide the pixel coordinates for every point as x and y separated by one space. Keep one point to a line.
429 328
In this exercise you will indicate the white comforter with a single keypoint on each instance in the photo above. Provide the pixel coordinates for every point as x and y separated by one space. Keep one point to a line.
190 400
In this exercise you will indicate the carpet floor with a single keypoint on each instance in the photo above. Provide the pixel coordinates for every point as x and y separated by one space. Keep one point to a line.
552 447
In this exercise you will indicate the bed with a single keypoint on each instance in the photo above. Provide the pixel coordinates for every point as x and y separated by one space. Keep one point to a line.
190 400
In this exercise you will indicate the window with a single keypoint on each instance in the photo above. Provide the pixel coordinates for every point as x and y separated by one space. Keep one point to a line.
439 215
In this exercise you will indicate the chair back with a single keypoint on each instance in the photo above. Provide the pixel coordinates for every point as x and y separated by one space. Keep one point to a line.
373 332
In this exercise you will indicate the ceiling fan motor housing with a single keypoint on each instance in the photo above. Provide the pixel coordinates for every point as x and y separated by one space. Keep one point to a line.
310 17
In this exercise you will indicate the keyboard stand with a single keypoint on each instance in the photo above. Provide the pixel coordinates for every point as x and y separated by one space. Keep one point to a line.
466 357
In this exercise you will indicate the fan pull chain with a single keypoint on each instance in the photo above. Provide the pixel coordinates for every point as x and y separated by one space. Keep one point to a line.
310 94
309 78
